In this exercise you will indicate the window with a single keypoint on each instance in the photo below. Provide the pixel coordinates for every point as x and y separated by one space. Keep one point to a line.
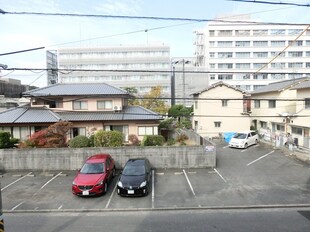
294 75
294 54
225 77
242 32
224 43
307 65
307 42
272 103
260 76
104 105
211 33
80 105
147 130
211 54
212 66
297 43
260 43
260 32
294 31
217 124
224 33
75 131
211 43
263 124
260 54
242 43
259 65
279 54
225 66
212 77
224 103
277 76
277 32
278 65
243 54
296 130
307 54
280 127
256 103
224 55
278 43
243 65
307 103
255 87
295 65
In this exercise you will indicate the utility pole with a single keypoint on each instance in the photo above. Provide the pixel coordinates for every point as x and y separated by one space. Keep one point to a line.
183 81
1 216
173 86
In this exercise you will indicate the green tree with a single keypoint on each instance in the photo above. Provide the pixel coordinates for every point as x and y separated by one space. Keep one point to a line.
133 91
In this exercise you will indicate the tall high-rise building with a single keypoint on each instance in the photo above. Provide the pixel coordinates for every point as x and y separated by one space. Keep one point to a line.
250 55
140 66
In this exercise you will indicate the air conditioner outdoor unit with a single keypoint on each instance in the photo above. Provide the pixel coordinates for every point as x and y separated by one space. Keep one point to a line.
117 108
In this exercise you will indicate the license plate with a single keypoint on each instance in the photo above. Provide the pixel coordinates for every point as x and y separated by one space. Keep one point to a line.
85 193
131 191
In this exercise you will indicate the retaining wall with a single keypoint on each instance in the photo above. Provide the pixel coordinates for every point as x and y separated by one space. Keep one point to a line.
73 158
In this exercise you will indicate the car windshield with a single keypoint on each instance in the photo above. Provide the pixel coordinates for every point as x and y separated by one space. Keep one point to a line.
133 170
92 168
240 136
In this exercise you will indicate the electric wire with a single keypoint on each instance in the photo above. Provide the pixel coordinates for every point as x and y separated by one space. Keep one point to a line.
272 3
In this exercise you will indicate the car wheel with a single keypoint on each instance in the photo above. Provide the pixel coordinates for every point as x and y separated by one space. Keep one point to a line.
256 141
113 172
105 187
245 146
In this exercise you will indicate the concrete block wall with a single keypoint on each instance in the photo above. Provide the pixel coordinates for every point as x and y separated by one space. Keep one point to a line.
73 158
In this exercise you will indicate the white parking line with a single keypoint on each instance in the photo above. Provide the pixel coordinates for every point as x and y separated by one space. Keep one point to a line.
225 146
15 181
189 183
59 208
153 189
17 206
110 198
50 180
259 158
220 175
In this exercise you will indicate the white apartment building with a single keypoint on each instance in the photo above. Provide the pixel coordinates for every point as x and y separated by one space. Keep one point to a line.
250 56
140 66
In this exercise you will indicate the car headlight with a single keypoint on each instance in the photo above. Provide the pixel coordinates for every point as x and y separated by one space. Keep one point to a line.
143 184
119 184
100 183
73 183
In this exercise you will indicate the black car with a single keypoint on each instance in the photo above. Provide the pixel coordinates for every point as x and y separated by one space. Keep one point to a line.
135 178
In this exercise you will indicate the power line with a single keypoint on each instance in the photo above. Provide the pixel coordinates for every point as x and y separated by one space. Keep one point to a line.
148 18
21 51
144 71
272 3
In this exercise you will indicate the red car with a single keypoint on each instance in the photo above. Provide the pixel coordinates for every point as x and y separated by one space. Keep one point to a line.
93 177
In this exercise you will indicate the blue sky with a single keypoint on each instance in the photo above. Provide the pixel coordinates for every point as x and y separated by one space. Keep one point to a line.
20 32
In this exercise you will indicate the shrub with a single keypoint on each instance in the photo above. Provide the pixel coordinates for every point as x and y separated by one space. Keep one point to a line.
6 141
153 140
133 139
171 142
108 139
92 141
79 141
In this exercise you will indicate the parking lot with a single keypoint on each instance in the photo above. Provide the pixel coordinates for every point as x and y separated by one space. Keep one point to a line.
258 175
